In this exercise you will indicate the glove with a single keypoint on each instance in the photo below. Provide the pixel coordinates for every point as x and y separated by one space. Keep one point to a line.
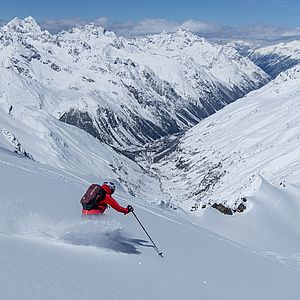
130 208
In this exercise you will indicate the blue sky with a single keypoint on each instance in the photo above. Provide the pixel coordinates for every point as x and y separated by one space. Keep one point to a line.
227 12
138 15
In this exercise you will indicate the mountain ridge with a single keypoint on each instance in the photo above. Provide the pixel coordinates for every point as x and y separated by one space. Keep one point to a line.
223 165
126 91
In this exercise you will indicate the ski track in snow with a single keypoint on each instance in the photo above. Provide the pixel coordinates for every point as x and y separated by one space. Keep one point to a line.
289 261
48 173
105 233
48 247
110 235
292 261
66 233
99 234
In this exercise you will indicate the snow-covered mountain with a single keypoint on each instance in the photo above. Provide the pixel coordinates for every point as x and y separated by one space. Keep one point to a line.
226 157
272 57
244 158
277 58
33 133
243 47
122 91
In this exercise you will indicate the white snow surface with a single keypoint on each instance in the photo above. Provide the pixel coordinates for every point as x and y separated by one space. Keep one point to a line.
288 49
48 252
250 149
224 157
89 68
49 141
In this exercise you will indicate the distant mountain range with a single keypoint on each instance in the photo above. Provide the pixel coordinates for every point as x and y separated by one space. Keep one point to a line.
147 98
123 91
273 59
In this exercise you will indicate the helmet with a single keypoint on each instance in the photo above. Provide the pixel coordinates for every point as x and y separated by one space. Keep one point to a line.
111 185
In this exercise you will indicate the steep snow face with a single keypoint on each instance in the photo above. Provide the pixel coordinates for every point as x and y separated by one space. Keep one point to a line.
179 54
48 252
224 157
269 226
37 135
28 25
243 47
123 92
277 58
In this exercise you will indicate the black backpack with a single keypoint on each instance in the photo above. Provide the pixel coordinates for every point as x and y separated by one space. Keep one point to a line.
94 194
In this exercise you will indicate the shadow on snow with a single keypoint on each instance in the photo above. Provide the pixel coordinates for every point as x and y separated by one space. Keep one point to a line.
113 240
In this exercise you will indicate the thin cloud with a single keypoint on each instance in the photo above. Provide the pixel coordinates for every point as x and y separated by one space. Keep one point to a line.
286 4
57 25
153 26
262 32
101 21
205 29
143 27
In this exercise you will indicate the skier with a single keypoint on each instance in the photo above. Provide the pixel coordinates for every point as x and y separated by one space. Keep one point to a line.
97 198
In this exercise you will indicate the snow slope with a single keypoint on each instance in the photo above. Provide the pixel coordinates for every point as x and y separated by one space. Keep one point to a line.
47 140
225 157
48 252
249 152
270 226
277 58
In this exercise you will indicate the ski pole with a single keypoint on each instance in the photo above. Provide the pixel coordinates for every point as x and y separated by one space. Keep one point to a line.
154 246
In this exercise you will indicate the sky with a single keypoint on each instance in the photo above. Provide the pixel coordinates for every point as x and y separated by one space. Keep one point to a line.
137 17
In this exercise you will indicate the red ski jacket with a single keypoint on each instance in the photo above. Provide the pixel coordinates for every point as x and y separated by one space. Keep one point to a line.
102 205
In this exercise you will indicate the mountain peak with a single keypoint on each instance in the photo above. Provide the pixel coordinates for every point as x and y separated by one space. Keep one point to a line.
186 33
87 31
23 26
